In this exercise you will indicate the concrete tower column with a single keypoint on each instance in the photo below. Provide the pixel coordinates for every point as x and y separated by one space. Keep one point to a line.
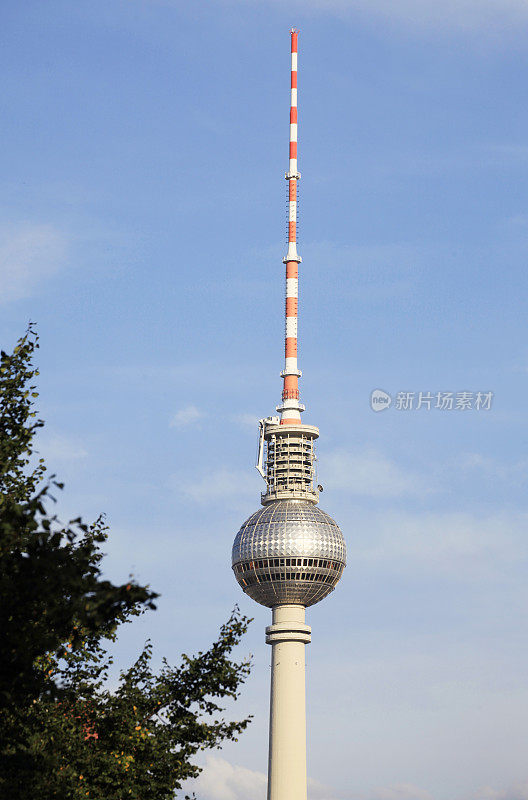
288 636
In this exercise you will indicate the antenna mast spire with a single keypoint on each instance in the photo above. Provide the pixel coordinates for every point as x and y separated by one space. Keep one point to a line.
291 408
289 468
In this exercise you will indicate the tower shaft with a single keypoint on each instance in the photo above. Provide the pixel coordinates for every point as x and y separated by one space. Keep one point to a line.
291 407
288 636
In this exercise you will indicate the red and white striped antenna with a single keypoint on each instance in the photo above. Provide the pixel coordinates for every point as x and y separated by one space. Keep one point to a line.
289 464
291 408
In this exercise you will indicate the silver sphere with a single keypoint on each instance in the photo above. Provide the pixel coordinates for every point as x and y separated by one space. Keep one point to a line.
289 552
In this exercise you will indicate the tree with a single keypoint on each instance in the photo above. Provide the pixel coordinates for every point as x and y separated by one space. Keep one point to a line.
63 733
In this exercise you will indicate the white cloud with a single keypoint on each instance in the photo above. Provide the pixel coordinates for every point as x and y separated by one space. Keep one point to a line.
60 448
28 255
186 416
517 792
221 780
370 473
222 484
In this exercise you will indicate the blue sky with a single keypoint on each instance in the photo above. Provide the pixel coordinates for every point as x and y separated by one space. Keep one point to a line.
142 226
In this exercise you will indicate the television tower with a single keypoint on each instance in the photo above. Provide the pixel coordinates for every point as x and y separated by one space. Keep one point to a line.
289 554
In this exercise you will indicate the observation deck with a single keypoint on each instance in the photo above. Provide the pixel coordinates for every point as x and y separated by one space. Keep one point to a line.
290 471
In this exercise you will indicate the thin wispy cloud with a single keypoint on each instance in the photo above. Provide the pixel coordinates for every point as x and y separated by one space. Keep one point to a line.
381 271
222 484
247 420
470 461
29 254
517 792
519 221
369 473
401 791
507 154
465 545
186 417
513 473
60 448
464 15
202 374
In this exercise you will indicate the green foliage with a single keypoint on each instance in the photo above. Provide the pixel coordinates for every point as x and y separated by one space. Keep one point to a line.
52 592
63 733
18 421
137 741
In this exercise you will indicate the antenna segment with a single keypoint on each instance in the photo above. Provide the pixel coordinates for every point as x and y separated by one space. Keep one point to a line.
289 468
291 408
